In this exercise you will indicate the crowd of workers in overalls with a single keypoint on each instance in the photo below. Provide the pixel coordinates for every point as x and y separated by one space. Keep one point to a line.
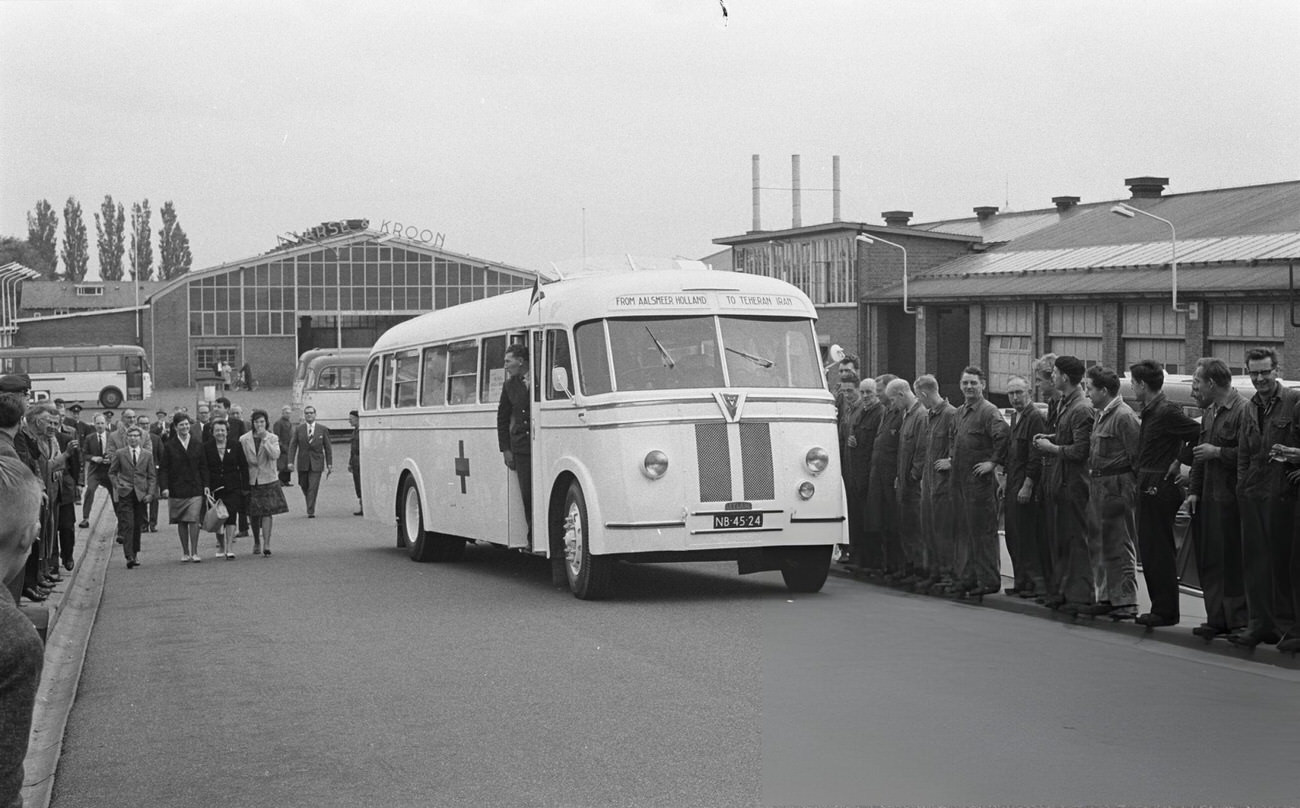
1083 487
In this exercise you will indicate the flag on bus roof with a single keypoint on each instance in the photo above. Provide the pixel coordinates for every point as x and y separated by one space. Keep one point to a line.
538 294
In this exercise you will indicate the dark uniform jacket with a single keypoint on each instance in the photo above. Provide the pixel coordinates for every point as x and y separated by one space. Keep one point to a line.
1067 473
1222 426
512 417
1164 429
283 429
1023 460
864 427
1257 476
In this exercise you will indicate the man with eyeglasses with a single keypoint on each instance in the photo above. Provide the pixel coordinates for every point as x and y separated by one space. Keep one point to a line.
1268 498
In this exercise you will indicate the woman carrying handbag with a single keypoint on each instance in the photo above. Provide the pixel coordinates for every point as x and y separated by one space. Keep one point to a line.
183 480
228 480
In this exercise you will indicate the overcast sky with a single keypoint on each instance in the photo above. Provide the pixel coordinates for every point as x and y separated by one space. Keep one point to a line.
498 123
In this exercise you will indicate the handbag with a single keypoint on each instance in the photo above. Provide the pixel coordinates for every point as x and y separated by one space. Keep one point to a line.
215 515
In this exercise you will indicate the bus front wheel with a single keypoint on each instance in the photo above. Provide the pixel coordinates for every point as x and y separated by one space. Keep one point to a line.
110 398
423 545
805 568
588 574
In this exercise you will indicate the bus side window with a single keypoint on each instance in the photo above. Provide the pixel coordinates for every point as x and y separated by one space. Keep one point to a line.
557 356
462 360
386 386
328 379
493 374
372 384
86 362
408 378
433 388
593 358
350 377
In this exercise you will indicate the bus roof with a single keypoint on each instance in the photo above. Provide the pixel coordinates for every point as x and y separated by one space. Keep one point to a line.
643 293
346 356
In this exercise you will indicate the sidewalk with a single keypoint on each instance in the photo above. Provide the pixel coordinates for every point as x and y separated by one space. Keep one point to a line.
1190 604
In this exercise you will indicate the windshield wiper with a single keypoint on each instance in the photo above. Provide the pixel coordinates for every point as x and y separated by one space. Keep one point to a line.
668 359
757 360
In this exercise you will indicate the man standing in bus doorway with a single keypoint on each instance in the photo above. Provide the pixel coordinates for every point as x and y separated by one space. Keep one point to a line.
513 429
311 450
354 458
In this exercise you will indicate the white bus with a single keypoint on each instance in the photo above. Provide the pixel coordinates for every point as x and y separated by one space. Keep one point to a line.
332 384
676 415
108 375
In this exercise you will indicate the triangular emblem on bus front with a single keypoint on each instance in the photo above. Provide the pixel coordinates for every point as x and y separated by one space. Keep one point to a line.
731 404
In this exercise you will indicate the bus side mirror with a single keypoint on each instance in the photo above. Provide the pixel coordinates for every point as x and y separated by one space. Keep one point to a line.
560 382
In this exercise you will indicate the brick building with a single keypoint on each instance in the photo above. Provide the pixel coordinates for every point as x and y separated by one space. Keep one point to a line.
997 288
341 287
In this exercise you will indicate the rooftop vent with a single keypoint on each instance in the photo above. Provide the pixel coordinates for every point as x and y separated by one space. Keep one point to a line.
1064 203
985 212
897 218
1146 187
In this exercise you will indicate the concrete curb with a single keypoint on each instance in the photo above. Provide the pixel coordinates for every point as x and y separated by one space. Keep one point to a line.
71 621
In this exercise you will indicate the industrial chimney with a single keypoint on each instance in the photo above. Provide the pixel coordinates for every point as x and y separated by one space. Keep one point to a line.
795 193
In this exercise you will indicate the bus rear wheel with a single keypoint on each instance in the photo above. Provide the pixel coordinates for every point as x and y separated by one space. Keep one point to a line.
110 398
805 568
423 545
588 575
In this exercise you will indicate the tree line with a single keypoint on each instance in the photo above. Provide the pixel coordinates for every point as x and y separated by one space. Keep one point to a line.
113 240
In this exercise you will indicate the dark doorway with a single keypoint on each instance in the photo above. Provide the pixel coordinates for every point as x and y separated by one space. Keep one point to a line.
954 350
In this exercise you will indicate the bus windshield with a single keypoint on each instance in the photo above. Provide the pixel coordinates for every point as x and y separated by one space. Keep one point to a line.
675 353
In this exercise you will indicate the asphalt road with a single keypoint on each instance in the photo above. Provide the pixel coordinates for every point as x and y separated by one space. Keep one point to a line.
339 673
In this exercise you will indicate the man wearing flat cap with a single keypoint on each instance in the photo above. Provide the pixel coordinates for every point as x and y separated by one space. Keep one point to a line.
16 383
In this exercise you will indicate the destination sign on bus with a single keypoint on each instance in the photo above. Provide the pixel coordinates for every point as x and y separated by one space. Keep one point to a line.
727 300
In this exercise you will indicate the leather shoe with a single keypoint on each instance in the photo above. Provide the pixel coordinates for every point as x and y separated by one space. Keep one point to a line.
1250 639
132 564
1289 645
360 513
1151 620
84 523
33 595
1095 609
67 564
1208 632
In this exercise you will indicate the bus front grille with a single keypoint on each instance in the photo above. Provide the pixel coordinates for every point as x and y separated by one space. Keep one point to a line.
713 452
756 459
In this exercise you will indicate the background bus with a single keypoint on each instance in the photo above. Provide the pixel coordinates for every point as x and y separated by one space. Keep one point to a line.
107 375
675 416
332 384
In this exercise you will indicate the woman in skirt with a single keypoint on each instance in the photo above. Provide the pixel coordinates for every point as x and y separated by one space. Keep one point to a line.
265 499
228 478
182 481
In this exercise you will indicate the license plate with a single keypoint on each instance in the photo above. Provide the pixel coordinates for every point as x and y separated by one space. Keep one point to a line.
731 521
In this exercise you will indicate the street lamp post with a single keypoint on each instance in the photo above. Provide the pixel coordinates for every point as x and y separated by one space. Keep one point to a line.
865 239
1128 212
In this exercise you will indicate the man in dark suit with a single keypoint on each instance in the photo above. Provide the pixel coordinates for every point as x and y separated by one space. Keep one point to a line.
513 426
135 483
96 454
310 448
161 428
283 430
235 429
83 429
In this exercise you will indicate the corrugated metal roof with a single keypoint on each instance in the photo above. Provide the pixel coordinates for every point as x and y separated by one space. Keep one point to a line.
1250 210
1232 249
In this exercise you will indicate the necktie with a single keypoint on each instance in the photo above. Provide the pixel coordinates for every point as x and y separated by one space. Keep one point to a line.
135 455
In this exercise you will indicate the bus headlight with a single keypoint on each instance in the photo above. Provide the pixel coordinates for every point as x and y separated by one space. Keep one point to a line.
806 490
816 460
655 465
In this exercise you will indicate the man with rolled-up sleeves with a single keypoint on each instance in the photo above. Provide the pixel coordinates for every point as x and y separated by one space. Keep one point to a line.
979 445
1065 470
1164 430
1212 498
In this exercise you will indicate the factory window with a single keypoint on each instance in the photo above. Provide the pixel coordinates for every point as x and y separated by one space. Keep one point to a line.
1235 328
